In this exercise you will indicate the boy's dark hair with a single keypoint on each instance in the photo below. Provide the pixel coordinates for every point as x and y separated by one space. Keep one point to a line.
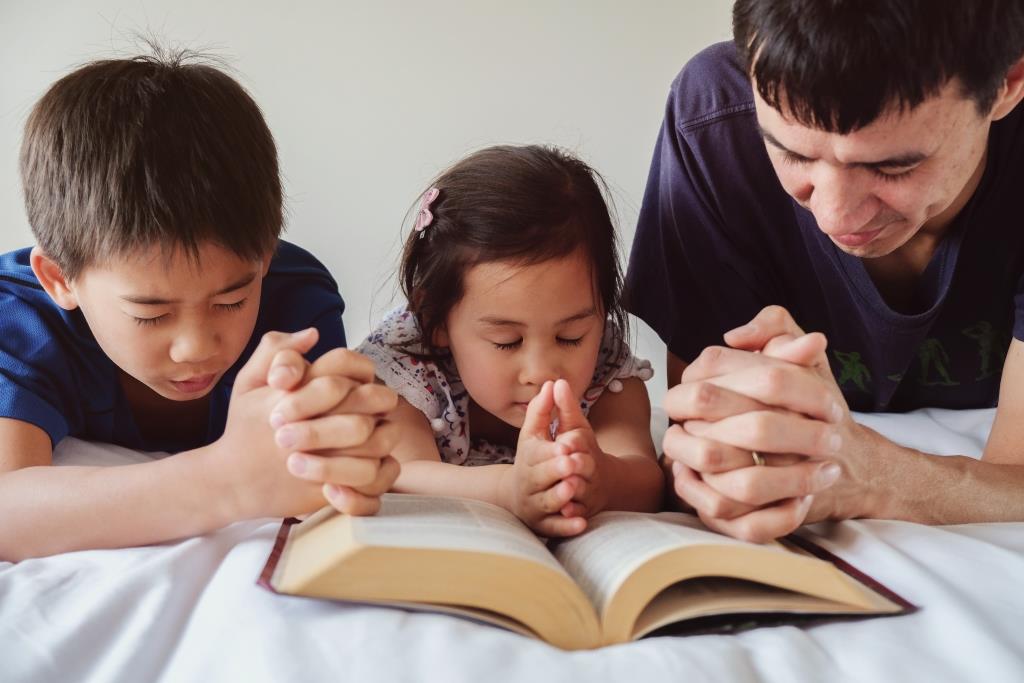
525 205
155 150
837 65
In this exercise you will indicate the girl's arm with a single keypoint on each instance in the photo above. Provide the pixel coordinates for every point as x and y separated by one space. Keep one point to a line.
423 471
622 426
532 489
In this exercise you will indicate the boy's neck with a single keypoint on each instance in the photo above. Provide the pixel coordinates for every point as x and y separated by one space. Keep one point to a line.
161 420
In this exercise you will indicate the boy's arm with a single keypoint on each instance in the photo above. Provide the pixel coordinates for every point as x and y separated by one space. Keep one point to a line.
240 476
49 510
622 425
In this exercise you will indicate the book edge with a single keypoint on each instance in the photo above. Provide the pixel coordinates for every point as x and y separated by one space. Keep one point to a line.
906 607
276 551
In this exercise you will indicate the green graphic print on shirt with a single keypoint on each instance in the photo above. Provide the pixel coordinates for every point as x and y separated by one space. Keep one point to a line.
932 365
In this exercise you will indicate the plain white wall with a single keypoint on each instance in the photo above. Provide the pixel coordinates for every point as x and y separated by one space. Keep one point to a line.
368 100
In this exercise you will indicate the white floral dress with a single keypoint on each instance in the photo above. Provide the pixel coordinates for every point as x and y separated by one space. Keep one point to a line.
434 388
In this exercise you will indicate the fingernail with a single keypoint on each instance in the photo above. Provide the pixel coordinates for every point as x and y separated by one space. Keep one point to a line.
835 442
286 437
805 503
296 464
749 328
677 467
276 420
827 475
837 411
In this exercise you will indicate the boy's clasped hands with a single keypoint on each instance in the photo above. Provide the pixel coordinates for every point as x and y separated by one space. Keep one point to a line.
557 481
321 422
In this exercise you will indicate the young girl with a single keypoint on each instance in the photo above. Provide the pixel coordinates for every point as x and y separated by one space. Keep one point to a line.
517 386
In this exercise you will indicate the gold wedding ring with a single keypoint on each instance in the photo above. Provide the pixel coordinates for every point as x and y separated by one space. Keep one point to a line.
758 458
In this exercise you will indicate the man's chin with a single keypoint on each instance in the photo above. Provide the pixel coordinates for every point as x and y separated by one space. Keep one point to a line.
865 251
884 244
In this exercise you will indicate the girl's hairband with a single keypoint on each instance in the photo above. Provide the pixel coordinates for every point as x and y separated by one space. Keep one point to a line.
424 217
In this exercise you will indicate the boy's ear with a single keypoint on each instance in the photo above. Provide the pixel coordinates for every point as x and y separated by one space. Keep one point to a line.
52 278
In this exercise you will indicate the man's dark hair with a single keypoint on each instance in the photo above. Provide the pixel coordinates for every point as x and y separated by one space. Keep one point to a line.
524 205
837 65
165 150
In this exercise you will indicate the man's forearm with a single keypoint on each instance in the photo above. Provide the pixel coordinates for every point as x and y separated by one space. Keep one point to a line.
48 509
914 486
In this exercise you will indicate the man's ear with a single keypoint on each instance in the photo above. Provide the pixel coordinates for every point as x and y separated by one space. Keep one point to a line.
52 278
1011 92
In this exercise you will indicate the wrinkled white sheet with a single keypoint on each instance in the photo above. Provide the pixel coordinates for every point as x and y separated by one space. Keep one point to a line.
191 611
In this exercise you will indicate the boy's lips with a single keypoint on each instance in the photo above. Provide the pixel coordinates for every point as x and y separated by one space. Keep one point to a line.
194 384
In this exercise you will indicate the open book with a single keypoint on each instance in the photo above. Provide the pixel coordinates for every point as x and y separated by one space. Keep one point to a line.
628 575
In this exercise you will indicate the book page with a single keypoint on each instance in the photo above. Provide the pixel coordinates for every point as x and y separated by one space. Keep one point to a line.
617 543
410 521
718 596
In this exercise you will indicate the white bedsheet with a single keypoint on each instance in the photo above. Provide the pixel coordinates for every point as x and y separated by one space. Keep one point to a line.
190 611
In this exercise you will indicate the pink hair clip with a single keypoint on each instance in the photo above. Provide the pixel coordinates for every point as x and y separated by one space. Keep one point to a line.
424 217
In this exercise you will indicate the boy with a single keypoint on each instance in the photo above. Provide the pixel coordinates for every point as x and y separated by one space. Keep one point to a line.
159 311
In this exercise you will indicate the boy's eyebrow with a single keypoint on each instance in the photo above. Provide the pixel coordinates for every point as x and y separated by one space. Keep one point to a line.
503 322
899 161
157 301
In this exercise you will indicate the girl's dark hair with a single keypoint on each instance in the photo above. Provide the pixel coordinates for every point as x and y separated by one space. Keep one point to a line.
837 65
525 205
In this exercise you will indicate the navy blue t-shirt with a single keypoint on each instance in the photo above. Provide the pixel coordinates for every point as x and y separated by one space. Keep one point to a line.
54 375
718 239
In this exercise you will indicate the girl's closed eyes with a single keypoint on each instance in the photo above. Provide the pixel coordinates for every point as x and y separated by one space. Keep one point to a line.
513 280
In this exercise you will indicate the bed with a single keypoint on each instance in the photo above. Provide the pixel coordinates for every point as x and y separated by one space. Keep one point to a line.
191 610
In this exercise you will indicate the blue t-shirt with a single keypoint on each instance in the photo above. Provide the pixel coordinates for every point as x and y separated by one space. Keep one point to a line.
718 239
54 375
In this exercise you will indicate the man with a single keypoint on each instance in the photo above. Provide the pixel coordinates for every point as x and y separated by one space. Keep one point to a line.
851 169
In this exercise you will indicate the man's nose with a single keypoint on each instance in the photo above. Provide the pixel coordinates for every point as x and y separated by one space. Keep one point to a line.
839 204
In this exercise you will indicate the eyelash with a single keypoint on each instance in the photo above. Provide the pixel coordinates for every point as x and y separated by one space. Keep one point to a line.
796 160
147 322
891 177
511 346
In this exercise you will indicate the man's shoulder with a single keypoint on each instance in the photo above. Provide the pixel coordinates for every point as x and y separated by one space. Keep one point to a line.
710 88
